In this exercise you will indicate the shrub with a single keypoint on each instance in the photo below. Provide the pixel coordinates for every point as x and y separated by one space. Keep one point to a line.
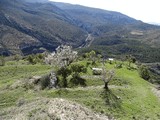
2 61
30 59
44 81
144 72
119 65
63 73
34 59
76 69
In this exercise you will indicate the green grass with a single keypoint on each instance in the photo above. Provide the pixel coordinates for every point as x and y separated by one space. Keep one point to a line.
130 97
133 100
10 74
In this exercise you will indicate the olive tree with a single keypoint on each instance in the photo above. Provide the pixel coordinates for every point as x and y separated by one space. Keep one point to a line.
107 76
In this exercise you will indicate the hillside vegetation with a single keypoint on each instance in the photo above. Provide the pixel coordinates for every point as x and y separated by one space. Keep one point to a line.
129 96
36 26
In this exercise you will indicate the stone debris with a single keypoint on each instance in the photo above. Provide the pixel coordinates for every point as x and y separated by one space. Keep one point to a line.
51 109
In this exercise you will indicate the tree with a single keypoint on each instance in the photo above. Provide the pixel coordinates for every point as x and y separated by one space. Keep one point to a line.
107 76
144 72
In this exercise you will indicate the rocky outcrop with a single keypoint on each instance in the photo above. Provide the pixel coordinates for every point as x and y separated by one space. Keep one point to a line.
50 109
53 80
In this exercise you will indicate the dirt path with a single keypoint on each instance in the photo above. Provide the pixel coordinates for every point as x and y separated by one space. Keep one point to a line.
95 87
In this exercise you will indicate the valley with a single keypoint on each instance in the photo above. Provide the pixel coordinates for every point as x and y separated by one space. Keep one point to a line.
87 42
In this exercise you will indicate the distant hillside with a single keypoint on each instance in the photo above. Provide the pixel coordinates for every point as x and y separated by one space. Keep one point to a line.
44 22
117 34
34 26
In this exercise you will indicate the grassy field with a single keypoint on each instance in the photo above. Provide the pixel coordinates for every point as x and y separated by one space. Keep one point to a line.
129 96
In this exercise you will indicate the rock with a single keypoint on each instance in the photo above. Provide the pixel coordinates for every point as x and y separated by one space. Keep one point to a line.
53 80
35 79
50 109
97 71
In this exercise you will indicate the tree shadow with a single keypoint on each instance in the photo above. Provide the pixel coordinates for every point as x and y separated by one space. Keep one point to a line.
111 99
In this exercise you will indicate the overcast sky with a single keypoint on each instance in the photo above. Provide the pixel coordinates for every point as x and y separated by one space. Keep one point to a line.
145 10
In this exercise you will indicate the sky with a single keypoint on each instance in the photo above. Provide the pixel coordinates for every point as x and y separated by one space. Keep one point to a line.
145 10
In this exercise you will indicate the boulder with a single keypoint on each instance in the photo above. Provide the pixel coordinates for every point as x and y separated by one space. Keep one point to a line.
53 80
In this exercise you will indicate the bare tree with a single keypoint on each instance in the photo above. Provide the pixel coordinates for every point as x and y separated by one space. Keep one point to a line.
107 76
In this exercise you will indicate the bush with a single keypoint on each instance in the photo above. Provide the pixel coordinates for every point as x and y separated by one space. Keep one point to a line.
73 71
34 59
63 73
44 81
2 61
76 69
144 72
119 65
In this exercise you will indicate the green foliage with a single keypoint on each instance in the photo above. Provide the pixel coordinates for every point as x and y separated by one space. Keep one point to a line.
17 57
31 59
76 69
130 60
34 59
2 61
142 52
45 81
119 65
144 72
63 73
129 96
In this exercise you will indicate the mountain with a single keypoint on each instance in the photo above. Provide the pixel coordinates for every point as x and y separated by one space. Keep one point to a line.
116 34
92 19
36 1
34 26
43 23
